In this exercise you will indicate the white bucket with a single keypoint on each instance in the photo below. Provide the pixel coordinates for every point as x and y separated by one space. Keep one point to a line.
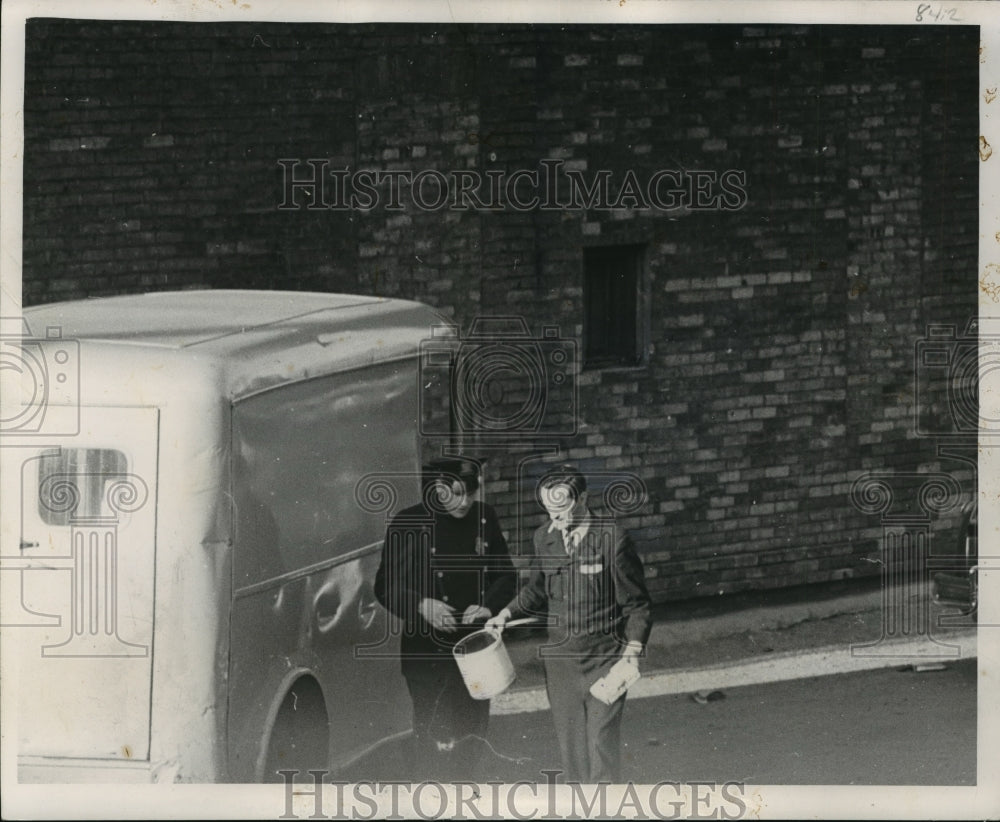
484 663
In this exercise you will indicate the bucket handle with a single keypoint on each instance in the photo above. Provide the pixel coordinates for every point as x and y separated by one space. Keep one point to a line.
498 632
514 622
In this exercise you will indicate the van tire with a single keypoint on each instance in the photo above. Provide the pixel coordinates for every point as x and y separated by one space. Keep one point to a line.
300 738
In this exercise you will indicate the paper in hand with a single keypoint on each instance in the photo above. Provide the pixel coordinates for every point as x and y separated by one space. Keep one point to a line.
615 682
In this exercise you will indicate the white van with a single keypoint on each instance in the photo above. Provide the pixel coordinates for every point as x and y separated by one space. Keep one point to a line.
186 564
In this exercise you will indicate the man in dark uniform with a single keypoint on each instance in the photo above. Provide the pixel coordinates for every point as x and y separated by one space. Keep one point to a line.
585 570
445 569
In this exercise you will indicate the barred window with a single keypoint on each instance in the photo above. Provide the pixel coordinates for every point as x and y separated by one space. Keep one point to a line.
612 332
72 482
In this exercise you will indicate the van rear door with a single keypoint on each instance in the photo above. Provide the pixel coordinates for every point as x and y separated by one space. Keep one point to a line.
77 557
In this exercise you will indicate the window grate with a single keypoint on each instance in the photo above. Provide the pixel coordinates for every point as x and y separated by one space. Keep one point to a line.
611 292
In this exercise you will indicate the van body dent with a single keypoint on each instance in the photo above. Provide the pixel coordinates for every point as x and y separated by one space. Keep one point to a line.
188 565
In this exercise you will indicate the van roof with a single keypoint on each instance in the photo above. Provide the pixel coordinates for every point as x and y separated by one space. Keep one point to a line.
218 319
253 339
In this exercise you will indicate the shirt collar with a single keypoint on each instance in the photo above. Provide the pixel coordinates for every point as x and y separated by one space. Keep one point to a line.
575 536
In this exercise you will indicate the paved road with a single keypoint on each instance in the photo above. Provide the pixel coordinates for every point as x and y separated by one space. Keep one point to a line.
882 727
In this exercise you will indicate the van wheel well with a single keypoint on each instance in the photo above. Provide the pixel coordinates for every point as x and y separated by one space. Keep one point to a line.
300 738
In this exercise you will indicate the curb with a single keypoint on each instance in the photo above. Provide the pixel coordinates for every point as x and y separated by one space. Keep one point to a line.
761 618
780 667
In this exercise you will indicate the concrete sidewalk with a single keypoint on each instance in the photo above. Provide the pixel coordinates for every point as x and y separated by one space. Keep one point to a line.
706 645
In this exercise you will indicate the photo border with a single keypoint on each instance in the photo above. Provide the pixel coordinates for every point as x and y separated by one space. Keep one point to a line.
772 802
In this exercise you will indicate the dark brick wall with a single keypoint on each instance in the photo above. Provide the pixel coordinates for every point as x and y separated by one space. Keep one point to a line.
781 334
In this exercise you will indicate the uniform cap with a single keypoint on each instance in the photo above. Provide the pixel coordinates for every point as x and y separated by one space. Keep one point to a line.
461 467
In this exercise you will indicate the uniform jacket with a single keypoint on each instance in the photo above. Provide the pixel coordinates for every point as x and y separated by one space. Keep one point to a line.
595 593
461 562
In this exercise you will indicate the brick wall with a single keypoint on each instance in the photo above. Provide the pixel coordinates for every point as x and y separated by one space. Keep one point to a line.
781 333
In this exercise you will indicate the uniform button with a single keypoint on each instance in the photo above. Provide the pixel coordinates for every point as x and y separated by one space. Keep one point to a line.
444 598
483 521
433 550
440 574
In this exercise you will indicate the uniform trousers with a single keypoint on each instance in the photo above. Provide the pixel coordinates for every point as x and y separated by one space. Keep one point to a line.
449 726
589 732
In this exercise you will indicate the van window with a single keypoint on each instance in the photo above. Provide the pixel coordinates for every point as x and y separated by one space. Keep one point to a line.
298 454
72 483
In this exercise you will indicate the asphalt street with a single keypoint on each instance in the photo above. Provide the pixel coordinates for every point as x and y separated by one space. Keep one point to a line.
890 726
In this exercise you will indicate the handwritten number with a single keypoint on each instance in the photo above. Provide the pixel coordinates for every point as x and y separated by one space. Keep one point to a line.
948 15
